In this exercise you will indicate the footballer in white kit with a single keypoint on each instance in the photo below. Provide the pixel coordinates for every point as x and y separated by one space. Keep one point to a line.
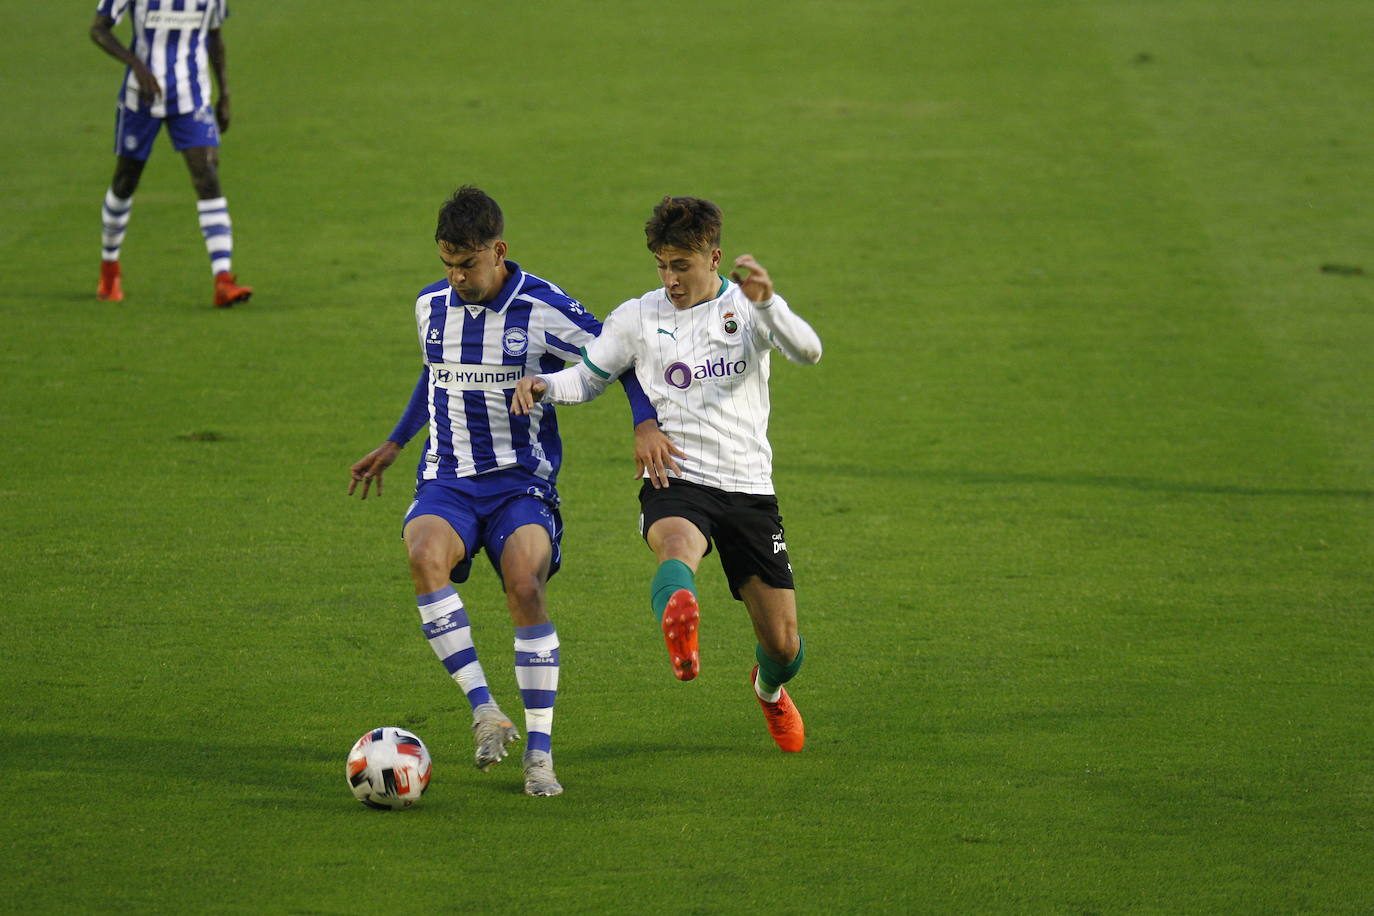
700 347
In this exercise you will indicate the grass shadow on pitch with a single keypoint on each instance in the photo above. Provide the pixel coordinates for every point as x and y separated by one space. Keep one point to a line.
278 767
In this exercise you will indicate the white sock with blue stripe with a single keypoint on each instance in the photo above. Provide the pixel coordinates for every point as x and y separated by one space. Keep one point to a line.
445 624
114 222
218 232
536 673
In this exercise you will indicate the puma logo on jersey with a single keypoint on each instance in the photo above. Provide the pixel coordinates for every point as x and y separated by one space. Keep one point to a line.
672 333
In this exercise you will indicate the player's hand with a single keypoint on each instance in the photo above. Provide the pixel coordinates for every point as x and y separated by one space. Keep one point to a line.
149 88
222 113
528 391
371 466
754 280
654 453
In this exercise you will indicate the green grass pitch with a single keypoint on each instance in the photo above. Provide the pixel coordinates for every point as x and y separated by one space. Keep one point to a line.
1081 496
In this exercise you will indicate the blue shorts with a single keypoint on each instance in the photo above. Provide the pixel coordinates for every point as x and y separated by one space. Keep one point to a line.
135 131
485 511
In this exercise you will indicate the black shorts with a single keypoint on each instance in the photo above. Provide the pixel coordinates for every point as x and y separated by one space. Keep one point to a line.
745 527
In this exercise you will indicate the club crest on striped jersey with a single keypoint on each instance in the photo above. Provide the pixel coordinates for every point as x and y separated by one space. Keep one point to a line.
516 341
730 323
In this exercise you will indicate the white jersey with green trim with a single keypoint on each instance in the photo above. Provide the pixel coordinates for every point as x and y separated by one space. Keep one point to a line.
706 370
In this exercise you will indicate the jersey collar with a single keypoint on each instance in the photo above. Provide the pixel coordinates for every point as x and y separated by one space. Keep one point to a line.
724 285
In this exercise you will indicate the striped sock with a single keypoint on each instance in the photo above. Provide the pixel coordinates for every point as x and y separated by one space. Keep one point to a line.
219 234
536 671
114 222
445 625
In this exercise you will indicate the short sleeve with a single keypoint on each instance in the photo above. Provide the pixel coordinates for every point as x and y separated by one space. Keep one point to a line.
113 9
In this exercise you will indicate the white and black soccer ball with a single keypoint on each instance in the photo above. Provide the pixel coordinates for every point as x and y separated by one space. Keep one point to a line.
388 768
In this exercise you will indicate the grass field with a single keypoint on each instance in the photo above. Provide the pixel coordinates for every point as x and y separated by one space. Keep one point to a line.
1081 496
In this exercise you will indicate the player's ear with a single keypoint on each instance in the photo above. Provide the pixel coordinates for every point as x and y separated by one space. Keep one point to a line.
500 249
715 258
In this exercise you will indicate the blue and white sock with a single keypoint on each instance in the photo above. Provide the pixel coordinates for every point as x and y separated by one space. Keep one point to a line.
445 624
114 222
218 232
536 672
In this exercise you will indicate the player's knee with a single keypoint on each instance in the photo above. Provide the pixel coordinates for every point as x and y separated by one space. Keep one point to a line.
677 546
525 594
781 643
428 561
126 175
204 173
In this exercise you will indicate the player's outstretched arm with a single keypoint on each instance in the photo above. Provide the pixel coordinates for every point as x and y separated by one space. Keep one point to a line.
371 466
102 33
573 385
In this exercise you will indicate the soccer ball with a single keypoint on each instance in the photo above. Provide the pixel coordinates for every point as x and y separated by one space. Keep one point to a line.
388 768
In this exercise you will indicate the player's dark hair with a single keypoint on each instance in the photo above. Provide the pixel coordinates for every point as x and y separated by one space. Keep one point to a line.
469 220
689 223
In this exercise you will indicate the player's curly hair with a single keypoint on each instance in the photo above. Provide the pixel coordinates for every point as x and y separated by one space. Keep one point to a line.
469 220
684 222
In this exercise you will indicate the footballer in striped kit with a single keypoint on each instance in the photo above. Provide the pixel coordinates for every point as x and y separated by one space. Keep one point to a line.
485 479
175 48
700 346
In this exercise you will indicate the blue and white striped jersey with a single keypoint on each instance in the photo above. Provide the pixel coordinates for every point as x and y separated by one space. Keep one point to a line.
170 37
474 354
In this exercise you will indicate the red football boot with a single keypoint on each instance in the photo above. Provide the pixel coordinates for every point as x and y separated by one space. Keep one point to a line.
227 290
784 722
680 619
109 289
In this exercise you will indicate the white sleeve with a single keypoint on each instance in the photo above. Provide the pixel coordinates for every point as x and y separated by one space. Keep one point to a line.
574 385
603 360
788 331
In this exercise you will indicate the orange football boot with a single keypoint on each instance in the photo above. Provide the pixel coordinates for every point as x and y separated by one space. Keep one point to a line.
109 289
227 290
680 619
784 722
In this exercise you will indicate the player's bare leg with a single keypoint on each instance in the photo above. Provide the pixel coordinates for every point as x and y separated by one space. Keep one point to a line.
526 558
773 612
679 546
434 549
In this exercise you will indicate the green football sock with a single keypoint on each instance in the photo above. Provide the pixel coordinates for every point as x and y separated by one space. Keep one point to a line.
671 576
771 674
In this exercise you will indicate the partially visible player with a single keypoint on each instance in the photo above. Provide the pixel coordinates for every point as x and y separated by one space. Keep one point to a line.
176 45
486 479
700 347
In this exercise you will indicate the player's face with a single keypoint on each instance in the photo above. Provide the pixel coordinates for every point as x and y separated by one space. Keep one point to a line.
689 276
476 274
